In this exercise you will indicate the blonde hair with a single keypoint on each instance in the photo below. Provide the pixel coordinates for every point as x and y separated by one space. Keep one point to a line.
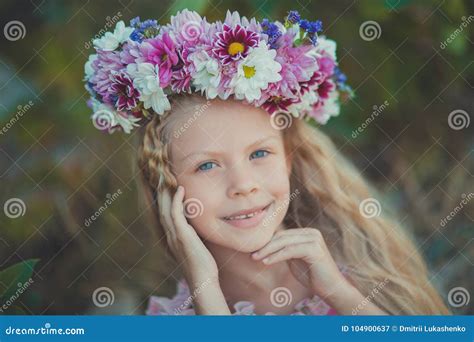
382 262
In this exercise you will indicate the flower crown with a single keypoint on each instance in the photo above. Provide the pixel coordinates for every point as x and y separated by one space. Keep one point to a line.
280 67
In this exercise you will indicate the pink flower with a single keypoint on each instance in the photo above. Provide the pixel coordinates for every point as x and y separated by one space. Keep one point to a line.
232 44
127 95
161 51
105 65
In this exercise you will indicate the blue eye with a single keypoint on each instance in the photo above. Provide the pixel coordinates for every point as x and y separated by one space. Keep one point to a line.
260 154
205 166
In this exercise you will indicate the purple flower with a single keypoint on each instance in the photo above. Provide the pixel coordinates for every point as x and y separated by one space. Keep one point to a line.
127 95
105 65
293 17
272 31
161 51
233 43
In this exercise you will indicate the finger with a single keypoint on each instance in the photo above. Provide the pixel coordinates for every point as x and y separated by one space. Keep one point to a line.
296 251
165 212
298 231
177 211
279 243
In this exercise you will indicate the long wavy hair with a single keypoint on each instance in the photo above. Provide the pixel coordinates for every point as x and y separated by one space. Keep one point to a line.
382 261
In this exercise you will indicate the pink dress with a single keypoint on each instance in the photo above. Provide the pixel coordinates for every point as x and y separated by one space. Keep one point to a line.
181 304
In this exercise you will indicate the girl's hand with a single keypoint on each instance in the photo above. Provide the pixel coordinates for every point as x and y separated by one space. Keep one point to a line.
186 246
309 259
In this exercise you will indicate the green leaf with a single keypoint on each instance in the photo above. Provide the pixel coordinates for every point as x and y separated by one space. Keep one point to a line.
14 275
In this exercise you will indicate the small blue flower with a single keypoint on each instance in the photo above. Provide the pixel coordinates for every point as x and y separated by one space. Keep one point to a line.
293 17
304 24
272 31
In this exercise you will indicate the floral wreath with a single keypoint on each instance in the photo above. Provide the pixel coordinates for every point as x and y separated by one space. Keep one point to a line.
280 67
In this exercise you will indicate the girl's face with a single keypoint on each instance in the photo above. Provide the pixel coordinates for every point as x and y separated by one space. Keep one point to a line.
230 159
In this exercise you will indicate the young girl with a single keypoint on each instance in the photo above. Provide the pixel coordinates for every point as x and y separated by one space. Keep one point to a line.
307 220
258 209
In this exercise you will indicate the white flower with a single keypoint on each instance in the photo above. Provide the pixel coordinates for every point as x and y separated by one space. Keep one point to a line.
207 76
255 72
88 70
300 108
110 41
330 108
146 80
105 118
327 46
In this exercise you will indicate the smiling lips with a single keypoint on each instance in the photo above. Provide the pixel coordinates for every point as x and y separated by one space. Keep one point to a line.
247 218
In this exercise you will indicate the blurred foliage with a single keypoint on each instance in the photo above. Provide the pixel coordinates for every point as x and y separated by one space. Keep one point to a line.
55 161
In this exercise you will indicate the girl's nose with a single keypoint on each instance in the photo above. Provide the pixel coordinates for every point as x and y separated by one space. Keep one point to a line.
241 182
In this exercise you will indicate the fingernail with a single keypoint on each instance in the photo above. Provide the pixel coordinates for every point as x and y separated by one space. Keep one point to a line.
265 260
255 255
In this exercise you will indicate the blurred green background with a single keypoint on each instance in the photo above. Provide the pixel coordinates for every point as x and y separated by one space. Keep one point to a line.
63 169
